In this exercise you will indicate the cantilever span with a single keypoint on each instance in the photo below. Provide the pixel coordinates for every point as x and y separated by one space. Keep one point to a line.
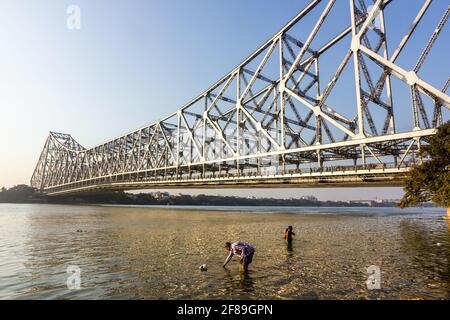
315 105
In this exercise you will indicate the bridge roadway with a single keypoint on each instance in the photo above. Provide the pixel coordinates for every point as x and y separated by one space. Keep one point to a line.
373 175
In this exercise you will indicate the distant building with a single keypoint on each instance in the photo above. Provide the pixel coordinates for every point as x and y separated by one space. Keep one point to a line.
366 202
310 198
380 200
391 200
161 195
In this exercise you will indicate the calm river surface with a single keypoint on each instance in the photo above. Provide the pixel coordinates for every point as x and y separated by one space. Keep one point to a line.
155 253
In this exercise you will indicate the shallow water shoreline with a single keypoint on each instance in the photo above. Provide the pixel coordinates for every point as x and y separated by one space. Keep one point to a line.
154 253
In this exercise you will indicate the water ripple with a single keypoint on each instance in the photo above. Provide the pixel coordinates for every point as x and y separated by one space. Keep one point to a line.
154 253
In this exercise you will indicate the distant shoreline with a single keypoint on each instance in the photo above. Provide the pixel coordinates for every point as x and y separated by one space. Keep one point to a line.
27 195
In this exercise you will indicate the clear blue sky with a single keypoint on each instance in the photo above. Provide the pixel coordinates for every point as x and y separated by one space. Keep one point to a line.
131 63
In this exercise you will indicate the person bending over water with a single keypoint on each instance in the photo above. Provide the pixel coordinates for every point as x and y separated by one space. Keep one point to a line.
288 233
242 249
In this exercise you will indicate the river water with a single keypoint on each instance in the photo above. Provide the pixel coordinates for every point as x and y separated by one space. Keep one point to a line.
127 252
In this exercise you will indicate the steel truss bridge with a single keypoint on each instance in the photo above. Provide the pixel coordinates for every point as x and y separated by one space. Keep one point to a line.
318 104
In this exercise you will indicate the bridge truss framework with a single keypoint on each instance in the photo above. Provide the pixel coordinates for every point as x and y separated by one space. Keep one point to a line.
270 121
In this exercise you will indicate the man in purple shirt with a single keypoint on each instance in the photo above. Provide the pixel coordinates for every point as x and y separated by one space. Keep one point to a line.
242 249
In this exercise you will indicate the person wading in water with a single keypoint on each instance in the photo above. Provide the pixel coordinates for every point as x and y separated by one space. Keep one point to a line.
288 233
242 249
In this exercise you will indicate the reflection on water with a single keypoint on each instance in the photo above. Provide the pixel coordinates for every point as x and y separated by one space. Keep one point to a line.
289 248
428 249
155 253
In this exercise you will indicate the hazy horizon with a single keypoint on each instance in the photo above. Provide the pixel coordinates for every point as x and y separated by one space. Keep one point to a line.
323 194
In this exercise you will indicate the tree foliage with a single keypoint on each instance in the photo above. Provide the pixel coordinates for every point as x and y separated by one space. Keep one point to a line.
430 181
17 194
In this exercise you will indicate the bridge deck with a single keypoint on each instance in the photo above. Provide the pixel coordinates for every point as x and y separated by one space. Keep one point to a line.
347 178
